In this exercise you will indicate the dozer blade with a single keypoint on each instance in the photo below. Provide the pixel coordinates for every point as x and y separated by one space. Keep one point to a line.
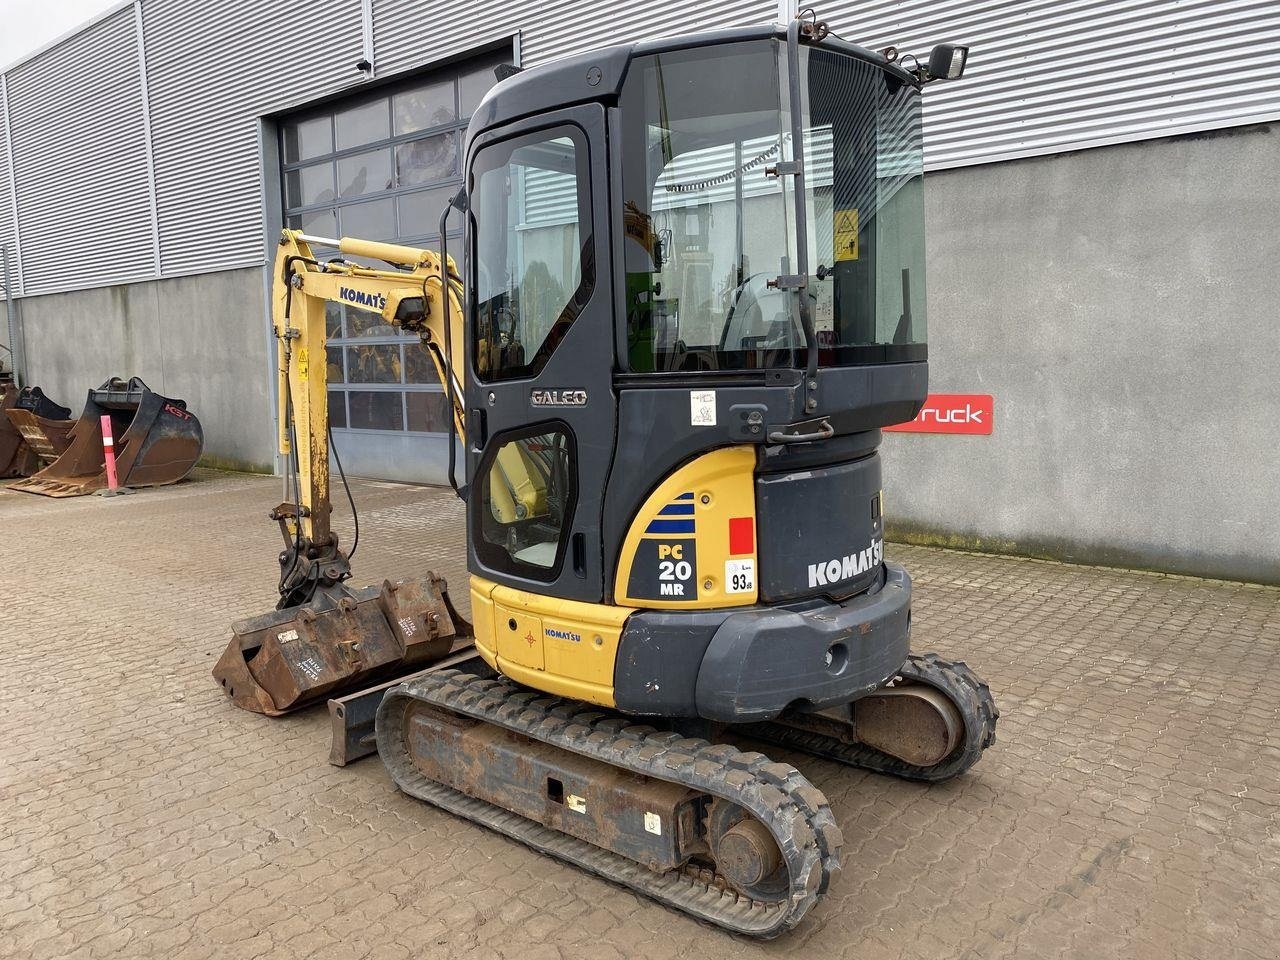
34 431
157 441
290 658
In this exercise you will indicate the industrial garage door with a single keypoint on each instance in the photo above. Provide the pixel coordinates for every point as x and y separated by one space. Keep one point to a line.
382 166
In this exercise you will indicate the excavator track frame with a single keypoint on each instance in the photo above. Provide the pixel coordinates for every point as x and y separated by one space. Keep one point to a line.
796 814
966 691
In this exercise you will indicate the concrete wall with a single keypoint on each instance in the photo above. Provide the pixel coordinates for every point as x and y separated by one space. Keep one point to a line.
1122 305
201 339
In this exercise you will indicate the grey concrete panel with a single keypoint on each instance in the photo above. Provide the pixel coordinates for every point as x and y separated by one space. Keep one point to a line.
211 333
196 338
1123 307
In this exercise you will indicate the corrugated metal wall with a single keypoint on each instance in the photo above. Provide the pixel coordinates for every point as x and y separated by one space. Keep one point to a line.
8 202
403 30
1045 76
75 122
214 69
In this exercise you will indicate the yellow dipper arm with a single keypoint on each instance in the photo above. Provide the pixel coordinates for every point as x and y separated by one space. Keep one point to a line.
411 298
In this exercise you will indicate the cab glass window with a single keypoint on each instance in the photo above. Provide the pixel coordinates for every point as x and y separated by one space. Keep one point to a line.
710 210
705 226
531 240
526 503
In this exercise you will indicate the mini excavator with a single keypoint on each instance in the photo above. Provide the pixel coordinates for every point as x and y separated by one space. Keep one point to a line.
693 294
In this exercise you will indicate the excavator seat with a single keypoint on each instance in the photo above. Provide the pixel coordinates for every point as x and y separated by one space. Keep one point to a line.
157 441
33 431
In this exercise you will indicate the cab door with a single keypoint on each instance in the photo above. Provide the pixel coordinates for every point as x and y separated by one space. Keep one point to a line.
539 395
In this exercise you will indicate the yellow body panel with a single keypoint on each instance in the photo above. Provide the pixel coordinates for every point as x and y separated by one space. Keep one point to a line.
518 636
573 647
570 648
482 619
723 486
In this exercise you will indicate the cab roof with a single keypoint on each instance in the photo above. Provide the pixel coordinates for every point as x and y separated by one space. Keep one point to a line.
598 75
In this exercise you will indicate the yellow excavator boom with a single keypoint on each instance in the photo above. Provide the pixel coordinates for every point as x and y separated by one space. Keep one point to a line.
409 294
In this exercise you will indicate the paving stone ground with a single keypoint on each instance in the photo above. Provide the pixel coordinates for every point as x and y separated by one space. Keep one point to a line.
1128 809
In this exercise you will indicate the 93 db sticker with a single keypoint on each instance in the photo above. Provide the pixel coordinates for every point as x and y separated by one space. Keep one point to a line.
739 576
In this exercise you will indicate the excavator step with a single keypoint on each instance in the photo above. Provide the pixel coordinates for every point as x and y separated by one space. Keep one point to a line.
723 835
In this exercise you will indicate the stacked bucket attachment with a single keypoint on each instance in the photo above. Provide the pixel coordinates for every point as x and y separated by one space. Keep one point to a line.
34 431
340 639
157 441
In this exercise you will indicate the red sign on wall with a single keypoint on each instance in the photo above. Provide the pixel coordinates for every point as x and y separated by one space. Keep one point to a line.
972 413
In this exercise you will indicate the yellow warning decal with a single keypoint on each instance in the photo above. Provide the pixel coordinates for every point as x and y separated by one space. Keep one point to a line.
845 234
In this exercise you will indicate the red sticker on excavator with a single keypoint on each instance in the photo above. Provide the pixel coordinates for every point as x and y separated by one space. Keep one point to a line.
742 535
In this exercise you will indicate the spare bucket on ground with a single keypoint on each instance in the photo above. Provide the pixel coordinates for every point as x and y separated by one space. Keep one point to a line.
34 431
157 441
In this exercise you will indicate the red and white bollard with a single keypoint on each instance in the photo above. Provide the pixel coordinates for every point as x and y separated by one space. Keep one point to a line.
109 454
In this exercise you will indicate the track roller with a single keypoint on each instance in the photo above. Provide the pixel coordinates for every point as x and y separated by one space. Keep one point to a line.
726 836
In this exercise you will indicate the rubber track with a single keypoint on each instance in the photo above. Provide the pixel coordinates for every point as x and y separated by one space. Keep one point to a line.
953 679
796 812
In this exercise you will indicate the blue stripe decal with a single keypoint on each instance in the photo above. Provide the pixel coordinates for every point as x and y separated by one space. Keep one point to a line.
677 510
669 526
686 496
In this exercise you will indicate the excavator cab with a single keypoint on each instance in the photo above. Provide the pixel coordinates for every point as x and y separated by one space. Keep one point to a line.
711 249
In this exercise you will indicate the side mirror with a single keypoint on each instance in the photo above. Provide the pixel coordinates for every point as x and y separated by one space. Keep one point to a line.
947 61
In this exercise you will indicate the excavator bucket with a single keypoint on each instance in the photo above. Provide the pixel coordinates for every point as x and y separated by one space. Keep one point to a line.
293 657
16 458
34 431
157 441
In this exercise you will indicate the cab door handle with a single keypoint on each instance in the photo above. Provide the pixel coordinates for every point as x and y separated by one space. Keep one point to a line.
824 432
